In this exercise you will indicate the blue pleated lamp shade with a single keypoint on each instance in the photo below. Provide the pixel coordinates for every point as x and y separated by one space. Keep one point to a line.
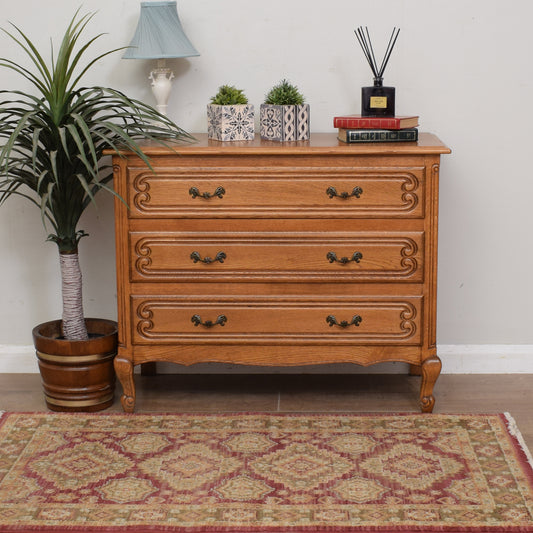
159 34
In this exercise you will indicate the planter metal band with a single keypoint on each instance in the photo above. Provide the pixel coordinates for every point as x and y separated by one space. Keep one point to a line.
91 358
78 403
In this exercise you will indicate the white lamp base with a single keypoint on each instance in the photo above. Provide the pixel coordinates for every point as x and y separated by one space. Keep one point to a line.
161 85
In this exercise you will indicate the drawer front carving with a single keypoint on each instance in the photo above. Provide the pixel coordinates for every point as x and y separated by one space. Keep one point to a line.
276 320
278 254
261 256
256 192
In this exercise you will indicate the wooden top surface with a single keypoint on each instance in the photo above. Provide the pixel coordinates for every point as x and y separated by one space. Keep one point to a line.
320 143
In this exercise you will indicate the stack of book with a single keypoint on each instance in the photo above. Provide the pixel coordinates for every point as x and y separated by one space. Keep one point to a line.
356 128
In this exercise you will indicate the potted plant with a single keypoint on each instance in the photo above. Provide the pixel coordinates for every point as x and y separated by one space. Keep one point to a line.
284 116
229 115
51 147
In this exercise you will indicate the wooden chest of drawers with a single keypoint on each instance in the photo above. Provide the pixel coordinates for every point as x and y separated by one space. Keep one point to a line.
279 254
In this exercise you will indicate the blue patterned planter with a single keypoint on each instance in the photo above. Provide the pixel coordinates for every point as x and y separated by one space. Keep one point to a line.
285 122
230 122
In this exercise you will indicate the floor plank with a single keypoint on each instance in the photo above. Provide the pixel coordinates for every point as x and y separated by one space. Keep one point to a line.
357 393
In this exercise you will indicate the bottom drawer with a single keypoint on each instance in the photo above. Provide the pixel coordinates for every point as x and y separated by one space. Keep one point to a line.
276 320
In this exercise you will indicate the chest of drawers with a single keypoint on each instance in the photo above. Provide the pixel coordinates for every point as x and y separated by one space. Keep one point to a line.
279 254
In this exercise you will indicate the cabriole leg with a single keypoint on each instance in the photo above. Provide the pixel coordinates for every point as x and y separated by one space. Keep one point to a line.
430 372
124 371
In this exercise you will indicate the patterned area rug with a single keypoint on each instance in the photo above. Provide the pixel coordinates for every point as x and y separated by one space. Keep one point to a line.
263 473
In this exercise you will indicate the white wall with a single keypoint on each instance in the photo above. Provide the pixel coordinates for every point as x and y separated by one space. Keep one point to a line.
464 67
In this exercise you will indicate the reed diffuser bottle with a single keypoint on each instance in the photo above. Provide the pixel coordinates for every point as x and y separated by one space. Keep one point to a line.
377 100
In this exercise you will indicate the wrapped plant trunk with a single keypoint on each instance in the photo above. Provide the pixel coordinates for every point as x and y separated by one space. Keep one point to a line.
74 327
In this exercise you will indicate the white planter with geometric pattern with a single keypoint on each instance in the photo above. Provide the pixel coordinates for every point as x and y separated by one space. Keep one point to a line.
285 122
230 122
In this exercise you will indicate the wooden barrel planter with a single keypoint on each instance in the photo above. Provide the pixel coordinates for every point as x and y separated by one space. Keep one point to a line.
77 375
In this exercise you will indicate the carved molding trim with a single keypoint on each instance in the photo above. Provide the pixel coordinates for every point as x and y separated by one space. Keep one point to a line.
405 323
407 260
407 203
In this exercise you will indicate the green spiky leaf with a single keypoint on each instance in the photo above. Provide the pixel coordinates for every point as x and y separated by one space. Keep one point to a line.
52 142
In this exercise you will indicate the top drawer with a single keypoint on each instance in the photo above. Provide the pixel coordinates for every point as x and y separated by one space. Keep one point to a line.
268 193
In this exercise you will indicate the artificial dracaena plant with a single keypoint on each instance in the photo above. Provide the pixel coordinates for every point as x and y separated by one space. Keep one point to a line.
52 142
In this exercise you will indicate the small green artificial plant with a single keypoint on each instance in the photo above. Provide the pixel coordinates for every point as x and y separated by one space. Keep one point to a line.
284 93
229 95
52 142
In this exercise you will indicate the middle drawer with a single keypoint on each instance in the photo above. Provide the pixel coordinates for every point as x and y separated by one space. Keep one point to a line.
371 256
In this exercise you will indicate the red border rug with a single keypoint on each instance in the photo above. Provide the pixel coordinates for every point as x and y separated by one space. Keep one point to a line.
252 473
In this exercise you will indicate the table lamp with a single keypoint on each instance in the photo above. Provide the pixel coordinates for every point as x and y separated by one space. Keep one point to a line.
159 35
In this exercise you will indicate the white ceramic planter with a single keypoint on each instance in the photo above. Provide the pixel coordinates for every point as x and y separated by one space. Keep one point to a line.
285 122
230 122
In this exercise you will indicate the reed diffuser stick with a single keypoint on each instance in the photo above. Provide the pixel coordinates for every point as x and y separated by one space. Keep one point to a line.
363 36
390 46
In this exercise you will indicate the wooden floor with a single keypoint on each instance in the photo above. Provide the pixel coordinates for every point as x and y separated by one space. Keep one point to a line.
357 393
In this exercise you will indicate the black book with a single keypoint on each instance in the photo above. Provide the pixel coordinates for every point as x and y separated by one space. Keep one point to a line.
375 136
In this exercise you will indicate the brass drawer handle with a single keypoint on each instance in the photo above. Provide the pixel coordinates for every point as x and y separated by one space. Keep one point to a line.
219 192
195 256
332 192
332 258
332 321
197 320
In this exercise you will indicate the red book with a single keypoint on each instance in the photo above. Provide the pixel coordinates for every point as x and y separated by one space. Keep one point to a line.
375 123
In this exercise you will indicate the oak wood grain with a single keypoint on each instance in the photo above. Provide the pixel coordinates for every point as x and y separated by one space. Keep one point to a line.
278 254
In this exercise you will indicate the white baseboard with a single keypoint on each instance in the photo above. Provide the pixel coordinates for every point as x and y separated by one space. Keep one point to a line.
456 359
486 358
17 359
